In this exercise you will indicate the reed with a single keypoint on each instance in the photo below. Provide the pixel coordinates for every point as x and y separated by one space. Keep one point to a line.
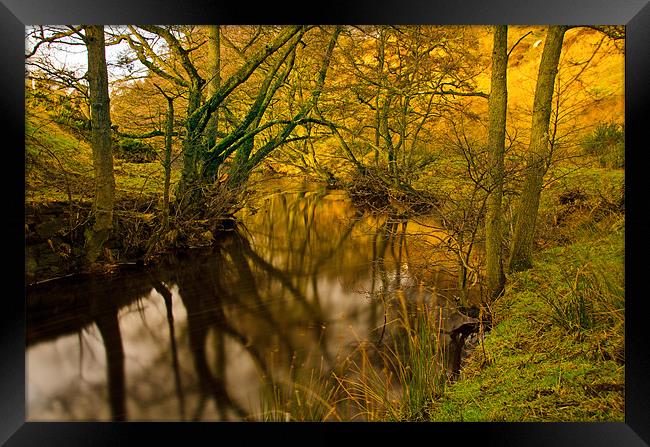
594 297
305 396
399 380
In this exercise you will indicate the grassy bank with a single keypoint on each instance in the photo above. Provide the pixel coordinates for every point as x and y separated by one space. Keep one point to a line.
556 351
59 167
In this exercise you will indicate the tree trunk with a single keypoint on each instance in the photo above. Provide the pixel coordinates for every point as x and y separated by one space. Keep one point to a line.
169 130
194 175
497 107
188 187
380 60
214 78
390 149
101 143
537 161
238 169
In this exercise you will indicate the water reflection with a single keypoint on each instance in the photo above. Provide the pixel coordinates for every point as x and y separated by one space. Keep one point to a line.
303 280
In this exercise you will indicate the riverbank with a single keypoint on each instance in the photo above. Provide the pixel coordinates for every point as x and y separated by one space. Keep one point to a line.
59 189
556 349
54 236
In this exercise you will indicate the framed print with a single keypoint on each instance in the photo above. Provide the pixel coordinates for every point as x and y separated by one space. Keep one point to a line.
377 219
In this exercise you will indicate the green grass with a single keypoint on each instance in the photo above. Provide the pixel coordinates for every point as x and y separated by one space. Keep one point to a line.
593 181
541 364
59 165
580 205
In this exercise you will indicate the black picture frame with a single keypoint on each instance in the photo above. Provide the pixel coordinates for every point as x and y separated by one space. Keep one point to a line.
15 14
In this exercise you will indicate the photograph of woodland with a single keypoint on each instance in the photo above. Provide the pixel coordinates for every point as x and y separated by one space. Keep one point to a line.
324 223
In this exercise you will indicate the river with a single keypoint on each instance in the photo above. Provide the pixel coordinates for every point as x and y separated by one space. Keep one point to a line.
303 281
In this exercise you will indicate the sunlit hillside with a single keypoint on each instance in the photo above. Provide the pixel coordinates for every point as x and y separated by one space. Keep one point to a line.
58 165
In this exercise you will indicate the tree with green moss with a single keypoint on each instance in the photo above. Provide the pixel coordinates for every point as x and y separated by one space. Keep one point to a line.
497 106
268 59
101 143
537 162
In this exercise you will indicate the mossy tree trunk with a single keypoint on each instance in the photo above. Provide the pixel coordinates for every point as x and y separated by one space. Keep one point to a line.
101 143
201 160
497 106
169 131
538 153
204 148
214 82
188 188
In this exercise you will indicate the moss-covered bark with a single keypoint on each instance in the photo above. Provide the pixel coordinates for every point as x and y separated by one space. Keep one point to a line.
497 107
101 143
537 160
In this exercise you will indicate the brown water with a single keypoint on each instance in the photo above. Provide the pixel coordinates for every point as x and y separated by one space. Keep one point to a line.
293 291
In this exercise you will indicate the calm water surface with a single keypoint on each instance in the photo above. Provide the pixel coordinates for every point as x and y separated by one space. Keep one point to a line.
292 292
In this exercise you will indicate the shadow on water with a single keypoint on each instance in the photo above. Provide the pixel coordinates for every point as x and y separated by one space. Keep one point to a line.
301 282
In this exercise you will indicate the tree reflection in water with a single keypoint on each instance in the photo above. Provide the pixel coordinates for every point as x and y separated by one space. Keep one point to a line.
291 293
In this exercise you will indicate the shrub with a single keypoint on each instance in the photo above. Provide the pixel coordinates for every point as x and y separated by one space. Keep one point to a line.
134 151
607 144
